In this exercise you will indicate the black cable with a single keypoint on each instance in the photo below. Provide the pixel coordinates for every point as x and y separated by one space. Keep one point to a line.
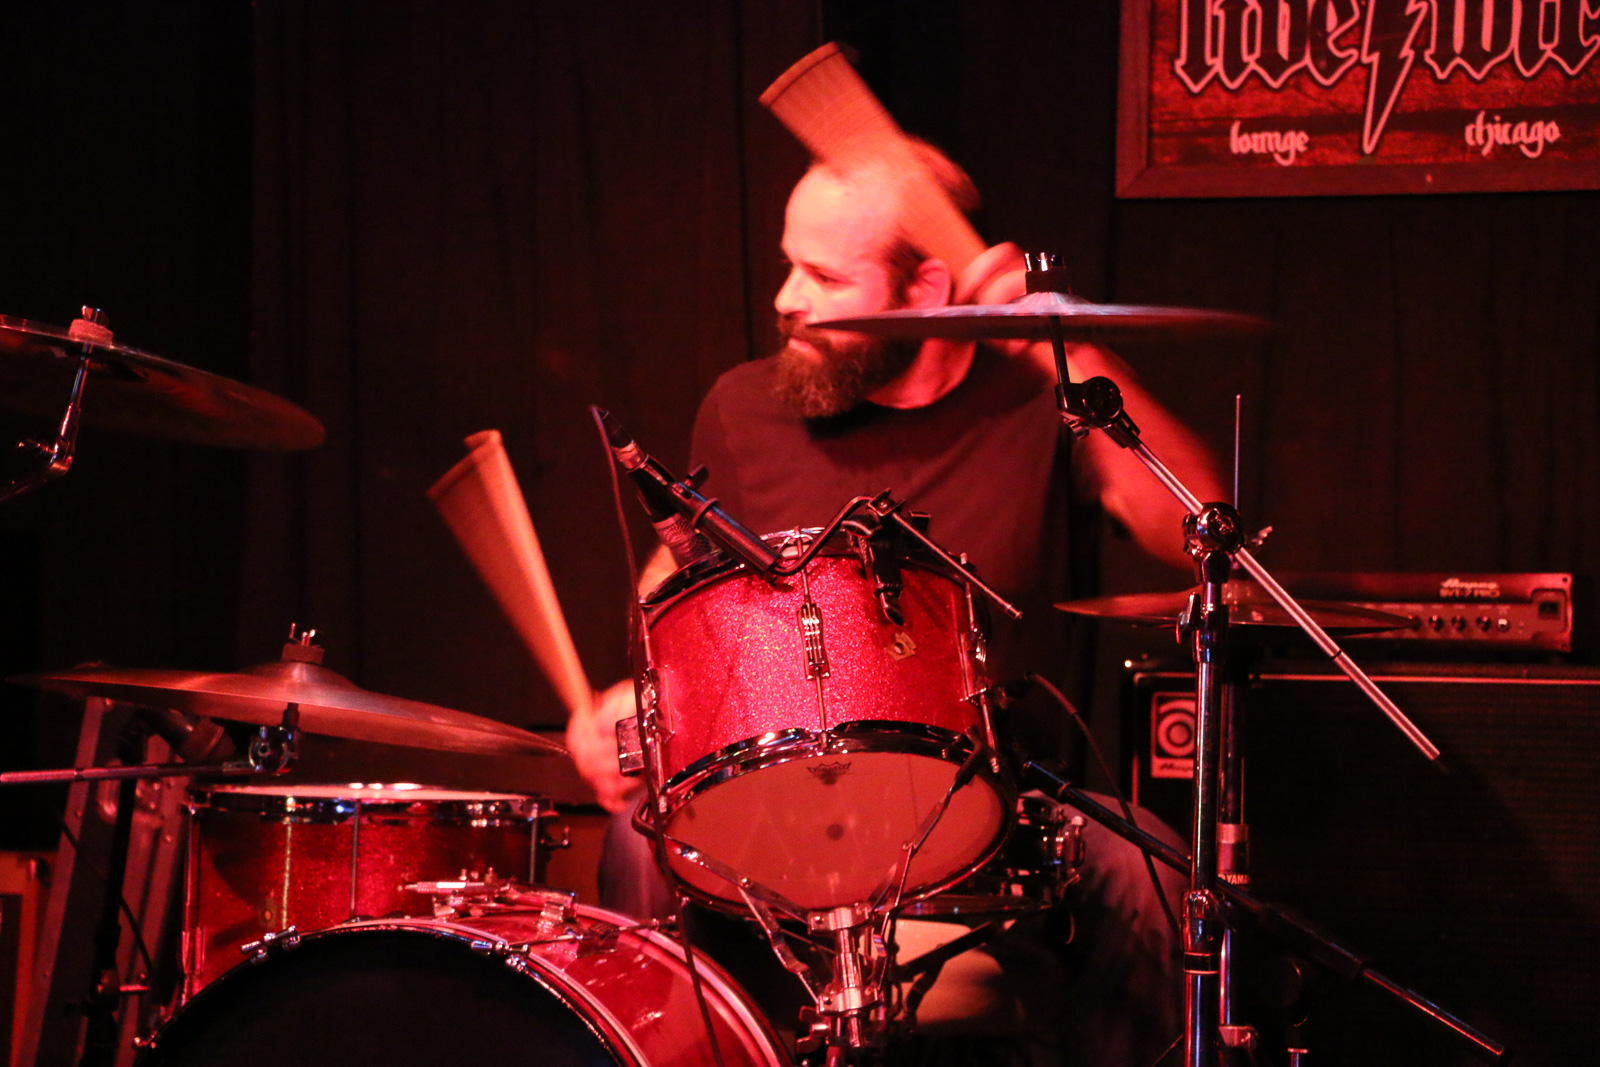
1175 1043
133 924
636 638
1116 791
682 904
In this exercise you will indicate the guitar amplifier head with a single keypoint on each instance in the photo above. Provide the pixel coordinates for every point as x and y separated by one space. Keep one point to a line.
1527 612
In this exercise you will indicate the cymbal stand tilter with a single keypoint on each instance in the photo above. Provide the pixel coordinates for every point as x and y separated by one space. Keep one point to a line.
1214 537
273 750
53 460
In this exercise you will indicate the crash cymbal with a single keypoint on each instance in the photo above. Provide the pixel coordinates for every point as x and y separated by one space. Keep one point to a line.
1250 606
329 704
139 392
1029 319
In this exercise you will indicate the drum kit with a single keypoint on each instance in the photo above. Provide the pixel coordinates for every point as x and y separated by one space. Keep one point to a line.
816 733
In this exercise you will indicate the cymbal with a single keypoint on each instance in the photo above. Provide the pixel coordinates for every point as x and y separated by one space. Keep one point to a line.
139 392
1249 605
329 704
1029 319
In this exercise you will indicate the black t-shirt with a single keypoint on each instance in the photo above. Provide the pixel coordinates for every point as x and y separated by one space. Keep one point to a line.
989 462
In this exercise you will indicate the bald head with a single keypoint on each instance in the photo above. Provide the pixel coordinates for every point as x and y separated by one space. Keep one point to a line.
869 197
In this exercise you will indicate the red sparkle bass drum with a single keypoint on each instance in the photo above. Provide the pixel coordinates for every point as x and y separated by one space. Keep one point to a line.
561 986
805 737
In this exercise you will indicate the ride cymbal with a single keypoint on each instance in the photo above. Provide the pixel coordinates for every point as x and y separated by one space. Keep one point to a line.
139 392
1029 319
329 704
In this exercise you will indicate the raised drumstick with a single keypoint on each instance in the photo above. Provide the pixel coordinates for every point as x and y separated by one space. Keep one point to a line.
824 103
483 506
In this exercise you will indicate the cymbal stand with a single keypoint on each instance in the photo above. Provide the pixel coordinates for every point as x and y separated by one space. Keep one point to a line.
1288 928
273 750
1213 536
1233 854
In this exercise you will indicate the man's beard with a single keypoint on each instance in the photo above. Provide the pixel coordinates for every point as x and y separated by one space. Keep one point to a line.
845 369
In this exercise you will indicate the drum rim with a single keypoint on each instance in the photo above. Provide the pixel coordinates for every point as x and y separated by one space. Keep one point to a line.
963 903
698 574
474 809
485 944
783 746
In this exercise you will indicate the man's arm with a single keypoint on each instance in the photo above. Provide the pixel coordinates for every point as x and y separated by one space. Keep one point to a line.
1127 491
592 738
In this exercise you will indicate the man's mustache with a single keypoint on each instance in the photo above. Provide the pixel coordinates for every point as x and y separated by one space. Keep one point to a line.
790 328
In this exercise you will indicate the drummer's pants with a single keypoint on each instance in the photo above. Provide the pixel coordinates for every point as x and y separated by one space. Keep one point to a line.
1100 985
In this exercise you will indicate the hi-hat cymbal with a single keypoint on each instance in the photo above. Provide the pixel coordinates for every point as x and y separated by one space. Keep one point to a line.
1249 605
139 392
1029 319
329 704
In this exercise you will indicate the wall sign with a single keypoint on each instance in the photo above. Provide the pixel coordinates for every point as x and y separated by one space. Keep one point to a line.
1298 97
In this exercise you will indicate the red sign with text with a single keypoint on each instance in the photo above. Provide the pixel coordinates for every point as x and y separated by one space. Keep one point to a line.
1287 97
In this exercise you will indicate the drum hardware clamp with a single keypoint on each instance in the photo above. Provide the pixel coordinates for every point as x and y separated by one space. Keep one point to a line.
271 942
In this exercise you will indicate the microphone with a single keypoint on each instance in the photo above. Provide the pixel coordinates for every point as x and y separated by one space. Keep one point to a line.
687 522
193 739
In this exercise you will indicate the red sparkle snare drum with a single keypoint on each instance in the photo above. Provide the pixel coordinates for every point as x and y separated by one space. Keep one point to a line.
566 986
263 858
805 738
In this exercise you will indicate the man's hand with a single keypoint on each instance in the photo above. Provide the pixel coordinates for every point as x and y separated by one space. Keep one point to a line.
592 739
999 276
995 277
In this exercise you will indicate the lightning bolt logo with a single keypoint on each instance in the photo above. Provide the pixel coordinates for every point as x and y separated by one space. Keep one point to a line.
1387 50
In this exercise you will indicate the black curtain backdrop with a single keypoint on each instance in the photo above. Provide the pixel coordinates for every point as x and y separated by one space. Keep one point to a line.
124 184
422 220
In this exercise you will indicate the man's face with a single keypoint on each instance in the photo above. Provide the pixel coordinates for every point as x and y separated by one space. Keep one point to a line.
835 236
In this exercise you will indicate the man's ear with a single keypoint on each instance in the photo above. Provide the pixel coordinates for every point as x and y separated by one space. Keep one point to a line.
931 286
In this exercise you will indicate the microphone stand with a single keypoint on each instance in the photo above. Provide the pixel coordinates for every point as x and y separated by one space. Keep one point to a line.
1214 537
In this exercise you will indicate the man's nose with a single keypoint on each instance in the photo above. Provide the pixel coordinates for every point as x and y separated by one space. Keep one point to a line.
789 300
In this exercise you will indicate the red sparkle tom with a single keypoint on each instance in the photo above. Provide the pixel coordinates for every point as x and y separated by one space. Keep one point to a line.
805 739
263 858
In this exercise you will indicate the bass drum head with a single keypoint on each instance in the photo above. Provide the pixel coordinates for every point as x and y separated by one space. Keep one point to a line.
391 997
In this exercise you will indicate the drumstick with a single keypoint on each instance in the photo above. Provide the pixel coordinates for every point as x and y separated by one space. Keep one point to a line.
824 103
483 506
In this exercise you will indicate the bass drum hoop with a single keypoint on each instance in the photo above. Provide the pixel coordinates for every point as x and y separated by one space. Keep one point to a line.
572 994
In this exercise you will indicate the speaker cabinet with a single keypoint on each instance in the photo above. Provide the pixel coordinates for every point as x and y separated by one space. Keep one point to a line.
1475 883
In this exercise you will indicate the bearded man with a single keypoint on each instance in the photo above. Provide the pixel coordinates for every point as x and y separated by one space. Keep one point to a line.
969 434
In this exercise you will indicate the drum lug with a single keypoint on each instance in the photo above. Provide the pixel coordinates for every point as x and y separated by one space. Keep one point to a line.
630 750
816 650
556 909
